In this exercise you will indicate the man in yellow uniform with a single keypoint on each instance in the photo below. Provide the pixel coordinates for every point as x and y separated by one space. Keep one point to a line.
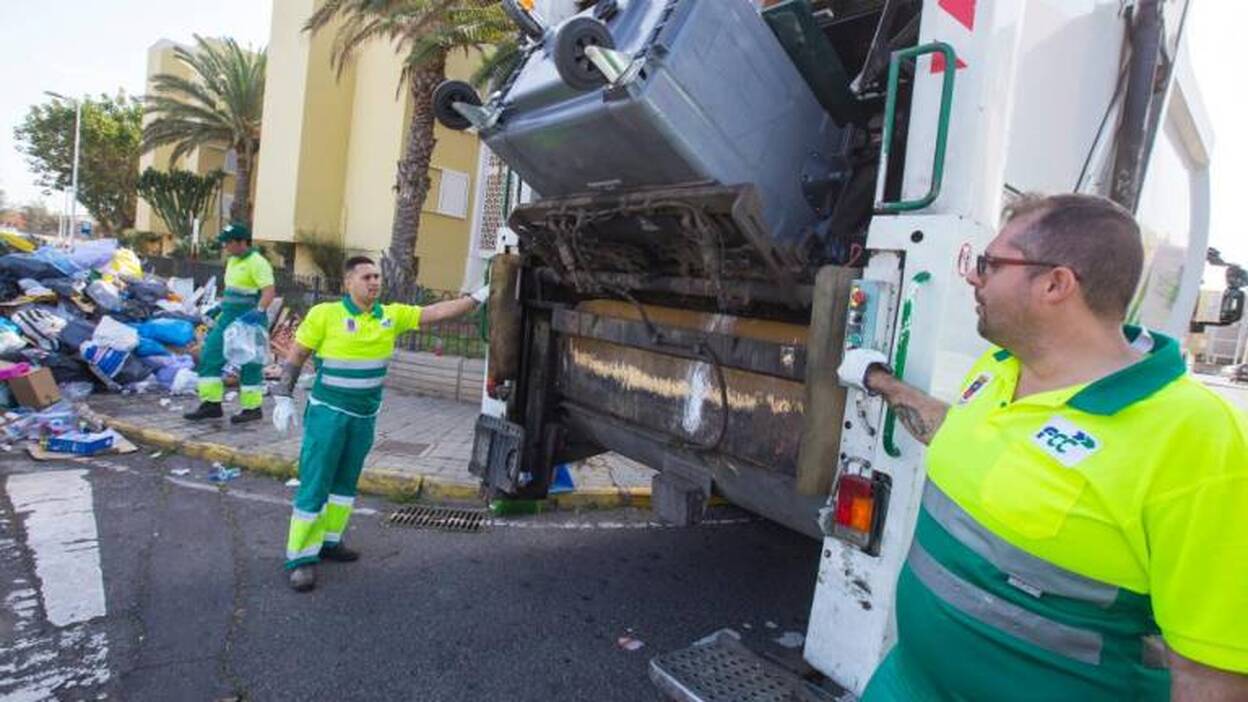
353 340
248 292
1084 526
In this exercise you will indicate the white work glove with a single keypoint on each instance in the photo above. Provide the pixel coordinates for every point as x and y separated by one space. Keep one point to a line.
856 363
284 413
481 294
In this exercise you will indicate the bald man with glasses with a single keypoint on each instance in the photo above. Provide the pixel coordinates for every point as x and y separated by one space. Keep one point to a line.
1083 531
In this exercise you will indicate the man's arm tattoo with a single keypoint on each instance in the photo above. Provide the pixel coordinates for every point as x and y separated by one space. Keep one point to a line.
912 420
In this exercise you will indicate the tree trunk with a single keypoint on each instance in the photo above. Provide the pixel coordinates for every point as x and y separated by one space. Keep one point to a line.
412 182
240 209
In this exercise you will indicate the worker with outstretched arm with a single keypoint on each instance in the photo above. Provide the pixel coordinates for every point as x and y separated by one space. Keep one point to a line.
248 292
353 340
1083 533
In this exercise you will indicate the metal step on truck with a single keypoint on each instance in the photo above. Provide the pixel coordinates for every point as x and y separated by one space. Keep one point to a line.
727 196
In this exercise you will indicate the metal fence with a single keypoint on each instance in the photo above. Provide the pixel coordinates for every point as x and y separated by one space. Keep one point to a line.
460 337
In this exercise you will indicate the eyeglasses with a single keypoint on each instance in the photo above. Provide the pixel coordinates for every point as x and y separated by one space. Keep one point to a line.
983 261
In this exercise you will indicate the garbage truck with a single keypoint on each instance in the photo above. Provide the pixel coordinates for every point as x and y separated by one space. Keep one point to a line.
727 195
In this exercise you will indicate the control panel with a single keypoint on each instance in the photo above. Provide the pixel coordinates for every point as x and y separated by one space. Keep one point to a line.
859 503
865 321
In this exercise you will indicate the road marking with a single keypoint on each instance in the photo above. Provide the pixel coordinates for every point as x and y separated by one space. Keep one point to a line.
252 496
39 661
61 534
218 488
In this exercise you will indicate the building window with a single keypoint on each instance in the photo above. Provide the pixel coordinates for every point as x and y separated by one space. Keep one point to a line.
231 162
453 194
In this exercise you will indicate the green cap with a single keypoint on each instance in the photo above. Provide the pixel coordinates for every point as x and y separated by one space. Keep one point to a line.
234 232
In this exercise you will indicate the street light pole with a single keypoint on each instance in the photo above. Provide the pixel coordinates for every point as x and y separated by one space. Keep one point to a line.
73 201
73 204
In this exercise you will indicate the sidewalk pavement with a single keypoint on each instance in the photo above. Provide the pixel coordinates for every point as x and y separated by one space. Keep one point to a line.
422 448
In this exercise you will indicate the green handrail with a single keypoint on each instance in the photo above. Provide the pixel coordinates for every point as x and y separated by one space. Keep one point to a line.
903 348
942 127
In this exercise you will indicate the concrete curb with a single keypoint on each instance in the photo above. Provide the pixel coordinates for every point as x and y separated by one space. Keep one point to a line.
396 485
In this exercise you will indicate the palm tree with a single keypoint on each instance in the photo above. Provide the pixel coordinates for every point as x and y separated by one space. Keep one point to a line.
425 32
220 105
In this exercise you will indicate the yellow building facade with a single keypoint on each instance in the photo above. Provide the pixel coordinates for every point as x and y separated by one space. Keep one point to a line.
162 59
329 148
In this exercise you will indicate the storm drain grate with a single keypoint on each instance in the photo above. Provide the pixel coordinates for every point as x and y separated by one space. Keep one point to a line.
721 669
444 518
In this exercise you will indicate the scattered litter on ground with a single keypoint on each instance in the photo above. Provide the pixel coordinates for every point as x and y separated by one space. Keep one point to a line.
157 454
181 471
223 474
747 625
293 482
791 639
77 390
629 643
772 625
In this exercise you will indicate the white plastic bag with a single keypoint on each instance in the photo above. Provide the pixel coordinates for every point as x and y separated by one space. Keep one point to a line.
115 335
246 343
10 339
284 414
185 382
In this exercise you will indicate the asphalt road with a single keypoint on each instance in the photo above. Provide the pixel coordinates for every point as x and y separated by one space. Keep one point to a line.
121 580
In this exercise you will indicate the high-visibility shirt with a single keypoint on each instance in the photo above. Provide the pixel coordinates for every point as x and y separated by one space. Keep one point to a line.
1064 536
353 349
245 277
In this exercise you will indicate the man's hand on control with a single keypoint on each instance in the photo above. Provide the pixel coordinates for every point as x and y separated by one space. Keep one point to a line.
860 368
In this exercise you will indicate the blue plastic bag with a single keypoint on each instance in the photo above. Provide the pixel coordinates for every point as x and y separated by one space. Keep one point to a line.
150 347
58 260
174 332
93 253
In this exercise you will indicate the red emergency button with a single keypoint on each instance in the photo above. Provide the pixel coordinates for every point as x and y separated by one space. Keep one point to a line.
857 298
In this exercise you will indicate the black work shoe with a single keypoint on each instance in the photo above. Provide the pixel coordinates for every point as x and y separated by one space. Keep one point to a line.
303 578
339 553
247 415
206 410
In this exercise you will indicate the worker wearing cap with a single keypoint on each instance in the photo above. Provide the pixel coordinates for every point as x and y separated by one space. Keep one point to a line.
353 340
248 292
1083 532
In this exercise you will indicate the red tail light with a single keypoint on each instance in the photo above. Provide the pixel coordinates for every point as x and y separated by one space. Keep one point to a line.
861 502
855 503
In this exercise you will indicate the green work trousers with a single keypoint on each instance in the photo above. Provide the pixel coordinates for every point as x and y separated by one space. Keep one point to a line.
335 444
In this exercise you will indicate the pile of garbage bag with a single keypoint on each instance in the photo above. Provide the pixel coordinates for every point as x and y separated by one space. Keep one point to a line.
92 317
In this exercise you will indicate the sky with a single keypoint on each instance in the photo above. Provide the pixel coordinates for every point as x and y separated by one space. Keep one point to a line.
77 47
93 46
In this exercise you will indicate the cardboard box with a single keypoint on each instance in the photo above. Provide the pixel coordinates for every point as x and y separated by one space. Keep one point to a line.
37 389
80 443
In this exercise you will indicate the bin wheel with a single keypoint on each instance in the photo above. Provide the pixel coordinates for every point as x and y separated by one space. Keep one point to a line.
446 95
522 19
574 67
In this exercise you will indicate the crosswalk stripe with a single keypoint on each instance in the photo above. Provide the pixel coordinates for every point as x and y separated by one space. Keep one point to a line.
62 535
